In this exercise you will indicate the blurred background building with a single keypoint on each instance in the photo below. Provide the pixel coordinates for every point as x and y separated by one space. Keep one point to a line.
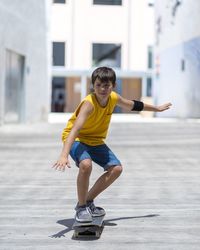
24 61
177 57
90 33
49 48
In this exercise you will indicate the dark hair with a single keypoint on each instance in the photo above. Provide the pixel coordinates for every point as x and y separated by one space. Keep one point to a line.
104 74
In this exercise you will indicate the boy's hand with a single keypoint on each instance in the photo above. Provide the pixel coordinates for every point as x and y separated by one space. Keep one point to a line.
164 107
61 163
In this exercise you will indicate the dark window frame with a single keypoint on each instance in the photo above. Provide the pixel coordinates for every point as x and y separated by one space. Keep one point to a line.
108 2
57 2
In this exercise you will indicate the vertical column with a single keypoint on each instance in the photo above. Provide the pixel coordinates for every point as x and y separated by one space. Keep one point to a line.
83 86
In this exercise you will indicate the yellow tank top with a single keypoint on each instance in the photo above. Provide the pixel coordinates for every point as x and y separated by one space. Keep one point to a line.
95 129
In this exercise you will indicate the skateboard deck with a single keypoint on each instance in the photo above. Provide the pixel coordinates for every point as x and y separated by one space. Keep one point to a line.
91 229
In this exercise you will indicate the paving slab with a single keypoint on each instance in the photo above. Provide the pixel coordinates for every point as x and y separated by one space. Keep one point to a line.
154 205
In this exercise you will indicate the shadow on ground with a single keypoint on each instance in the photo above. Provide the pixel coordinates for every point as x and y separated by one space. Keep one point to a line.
68 223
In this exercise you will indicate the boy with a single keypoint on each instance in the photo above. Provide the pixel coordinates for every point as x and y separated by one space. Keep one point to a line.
84 136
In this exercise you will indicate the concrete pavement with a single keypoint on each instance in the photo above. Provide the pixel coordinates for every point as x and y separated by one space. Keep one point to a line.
155 204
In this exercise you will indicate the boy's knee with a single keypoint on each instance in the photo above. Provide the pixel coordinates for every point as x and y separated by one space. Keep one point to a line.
117 170
85 166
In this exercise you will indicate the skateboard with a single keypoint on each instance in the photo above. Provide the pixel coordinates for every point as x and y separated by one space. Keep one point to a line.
91 229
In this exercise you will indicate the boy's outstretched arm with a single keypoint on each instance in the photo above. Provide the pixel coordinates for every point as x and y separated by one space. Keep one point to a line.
160 108
131 105
84 112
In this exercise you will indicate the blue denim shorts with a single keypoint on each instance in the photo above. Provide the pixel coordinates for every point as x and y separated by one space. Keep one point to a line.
100 154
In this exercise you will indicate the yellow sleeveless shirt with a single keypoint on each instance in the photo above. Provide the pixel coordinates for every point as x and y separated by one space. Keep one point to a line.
95 128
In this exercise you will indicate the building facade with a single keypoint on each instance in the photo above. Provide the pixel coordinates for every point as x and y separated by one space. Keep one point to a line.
25 55
177 57
90 33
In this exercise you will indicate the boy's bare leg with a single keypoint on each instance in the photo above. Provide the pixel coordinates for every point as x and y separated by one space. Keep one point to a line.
104 181
85 168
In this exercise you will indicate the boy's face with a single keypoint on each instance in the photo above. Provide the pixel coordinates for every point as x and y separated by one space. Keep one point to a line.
101 89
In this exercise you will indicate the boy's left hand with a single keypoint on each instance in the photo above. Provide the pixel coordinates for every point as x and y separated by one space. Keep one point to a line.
164 107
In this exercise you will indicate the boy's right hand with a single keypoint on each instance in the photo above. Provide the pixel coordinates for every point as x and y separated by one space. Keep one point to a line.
61 163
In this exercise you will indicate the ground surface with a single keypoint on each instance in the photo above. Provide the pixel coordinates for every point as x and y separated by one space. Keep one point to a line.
155 204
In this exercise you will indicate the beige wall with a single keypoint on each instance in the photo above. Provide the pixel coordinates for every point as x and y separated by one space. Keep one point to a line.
131 89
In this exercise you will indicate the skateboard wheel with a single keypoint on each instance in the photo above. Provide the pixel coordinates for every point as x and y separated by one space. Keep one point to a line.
76 234
97 234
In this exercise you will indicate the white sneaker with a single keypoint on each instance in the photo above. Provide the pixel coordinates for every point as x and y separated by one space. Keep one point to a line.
95 211
83 215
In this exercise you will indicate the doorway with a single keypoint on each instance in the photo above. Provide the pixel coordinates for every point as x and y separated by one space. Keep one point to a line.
14 87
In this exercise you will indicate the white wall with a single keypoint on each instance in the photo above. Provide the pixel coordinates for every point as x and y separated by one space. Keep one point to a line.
24 29
185 24
80 23
179 43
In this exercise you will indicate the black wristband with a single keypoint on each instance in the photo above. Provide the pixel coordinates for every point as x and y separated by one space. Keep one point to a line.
137 106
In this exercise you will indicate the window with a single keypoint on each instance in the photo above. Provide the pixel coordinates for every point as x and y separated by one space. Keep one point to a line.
106 54
58 94
107 2
58 53
151 3
59 1
150 57
149 87
183 65
150 66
